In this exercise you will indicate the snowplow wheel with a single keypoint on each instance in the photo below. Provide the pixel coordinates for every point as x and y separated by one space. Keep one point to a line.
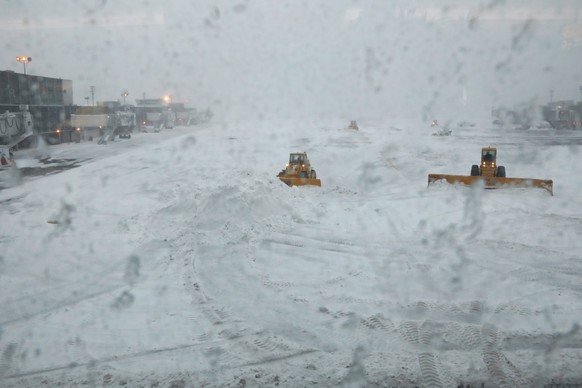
501 171
474 170
313 174
303 174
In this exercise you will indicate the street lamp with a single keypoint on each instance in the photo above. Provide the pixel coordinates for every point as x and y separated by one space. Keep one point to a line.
124 94
24 61
167 99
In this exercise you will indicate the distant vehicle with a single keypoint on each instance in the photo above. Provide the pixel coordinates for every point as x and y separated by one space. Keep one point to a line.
563 114
353 125
168 119
157 121
103 122
89 124
124 123
541 125
465 123
298 171
492 175
443 132
120 123
15 127
440 131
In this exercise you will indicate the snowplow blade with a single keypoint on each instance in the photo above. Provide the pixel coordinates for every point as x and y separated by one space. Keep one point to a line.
297 181
494 183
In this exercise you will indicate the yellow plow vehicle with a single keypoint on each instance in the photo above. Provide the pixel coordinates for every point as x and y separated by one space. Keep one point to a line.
492 175
298 171
353 125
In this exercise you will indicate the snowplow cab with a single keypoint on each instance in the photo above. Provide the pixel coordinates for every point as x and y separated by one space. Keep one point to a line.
488 167
488 154
298 158
298 171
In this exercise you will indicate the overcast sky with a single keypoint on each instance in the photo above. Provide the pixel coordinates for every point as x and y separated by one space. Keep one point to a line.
338 58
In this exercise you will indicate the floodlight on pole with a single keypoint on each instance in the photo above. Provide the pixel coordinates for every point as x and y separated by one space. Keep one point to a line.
24 60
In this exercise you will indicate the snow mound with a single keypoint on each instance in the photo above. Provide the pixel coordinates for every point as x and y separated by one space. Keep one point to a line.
242 212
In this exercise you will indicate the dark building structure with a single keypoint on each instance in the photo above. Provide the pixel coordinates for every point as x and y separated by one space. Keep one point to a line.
49 100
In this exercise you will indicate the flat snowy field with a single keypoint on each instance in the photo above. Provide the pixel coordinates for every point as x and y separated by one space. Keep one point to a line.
178 259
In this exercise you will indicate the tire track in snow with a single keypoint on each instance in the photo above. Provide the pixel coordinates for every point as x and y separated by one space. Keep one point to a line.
294 241
449 335
563 271
183 248
452 335
311 242
50 306
183 255
215 313
462 336
563 279
429 370
69 294
6 358
244 351
378 322
422 337
500 369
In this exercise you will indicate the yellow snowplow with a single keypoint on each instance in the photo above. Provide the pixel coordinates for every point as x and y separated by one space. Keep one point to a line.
298 171
492 175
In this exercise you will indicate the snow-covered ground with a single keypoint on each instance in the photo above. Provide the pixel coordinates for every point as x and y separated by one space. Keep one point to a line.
177 259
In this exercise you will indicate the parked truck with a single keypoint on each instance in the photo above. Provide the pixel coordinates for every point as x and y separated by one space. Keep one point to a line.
120 123
14 128
563 114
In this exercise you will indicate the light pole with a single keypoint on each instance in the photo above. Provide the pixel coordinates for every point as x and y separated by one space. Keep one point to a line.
92 88
124 94
24 60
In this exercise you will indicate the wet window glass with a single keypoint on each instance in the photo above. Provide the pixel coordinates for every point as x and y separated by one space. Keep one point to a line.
151 234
